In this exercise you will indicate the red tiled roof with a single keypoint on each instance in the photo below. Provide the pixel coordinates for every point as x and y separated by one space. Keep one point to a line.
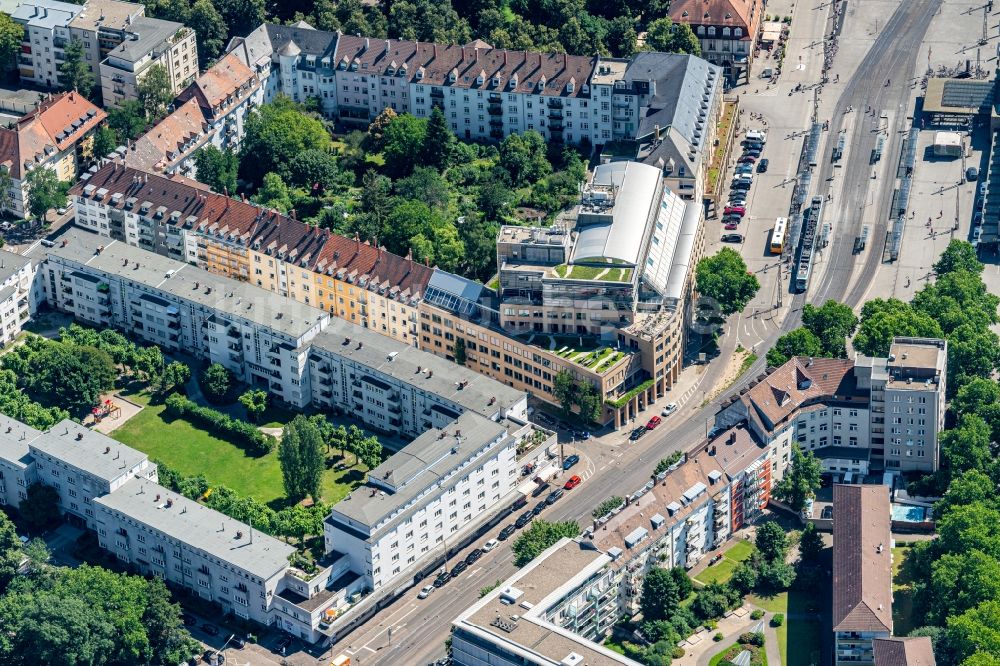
227 80
56 124
862 559
917 651
800 381
433 63
744 14
164 144
386 269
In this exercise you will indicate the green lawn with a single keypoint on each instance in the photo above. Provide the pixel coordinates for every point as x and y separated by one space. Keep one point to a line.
191 451
740 551
808 641
722 571
902 593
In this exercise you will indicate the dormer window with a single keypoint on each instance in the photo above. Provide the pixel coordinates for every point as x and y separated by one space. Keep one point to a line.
541 83
497 80
711 31
481 78
725 32
420 73
571 86
453 75
701 30
738 32
513 82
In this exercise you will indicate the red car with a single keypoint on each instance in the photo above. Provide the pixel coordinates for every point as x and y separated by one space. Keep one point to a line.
653 422
732 226
747 159
735 210
573 482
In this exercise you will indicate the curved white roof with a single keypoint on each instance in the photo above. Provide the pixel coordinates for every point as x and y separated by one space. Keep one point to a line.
620 240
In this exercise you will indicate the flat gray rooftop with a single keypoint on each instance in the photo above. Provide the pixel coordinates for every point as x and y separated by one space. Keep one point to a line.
199 527
193 284
46 13
11 263
417 466
476 390
111 14
14 439
149 33
88 452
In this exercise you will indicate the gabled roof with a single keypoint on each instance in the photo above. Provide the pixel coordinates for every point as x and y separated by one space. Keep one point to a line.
917 651
226 81
170 139
799 382
55 125
744 14
862 559
386 270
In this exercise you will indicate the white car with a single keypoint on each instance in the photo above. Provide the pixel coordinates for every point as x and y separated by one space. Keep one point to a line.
490 545
425 591
669 409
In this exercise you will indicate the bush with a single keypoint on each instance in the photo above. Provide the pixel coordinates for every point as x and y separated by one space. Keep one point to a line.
752 638
777 620
757 614
717 637
240 432
216 382
677 653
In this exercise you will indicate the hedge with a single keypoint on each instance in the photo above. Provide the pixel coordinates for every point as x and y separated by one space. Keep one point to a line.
240 432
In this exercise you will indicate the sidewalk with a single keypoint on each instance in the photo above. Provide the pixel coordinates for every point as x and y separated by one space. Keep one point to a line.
700 648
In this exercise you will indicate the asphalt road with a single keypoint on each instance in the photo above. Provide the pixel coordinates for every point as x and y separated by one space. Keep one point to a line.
890 58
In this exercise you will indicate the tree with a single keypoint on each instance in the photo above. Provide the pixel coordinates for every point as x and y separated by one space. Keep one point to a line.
6 194
523 157
439 142
797 342
11 36
128 120
368 451
175 376
10 551
771 542
376 130
621 37
606 507
832 323
301 456
105 142
217 169
541 535
45 191
403 144
966 447
810 543
313 167
667 37
801 479
427 186
666 463
242 16
275 134
74 71
882 320
662 592
273 193
725 278
215 382
972 352
71 376
155 92
255 402
976 630
210 29
459 351
40 506
958 256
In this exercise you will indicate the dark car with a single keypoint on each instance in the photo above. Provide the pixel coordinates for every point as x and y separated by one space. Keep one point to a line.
210 629
637 433
459 567
554 495
538 508
732 238
523 520
539 490
582 434
189 620
740 185
570 461
442 579
751 152
762 165
507 532
972 174
473 556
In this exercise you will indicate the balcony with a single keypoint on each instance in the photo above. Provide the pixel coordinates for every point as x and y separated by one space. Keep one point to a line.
496 122
437 92
495 110
555 114
555 104
556 126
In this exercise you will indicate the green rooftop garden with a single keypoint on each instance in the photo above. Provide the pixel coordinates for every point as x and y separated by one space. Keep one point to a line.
582 351
581 272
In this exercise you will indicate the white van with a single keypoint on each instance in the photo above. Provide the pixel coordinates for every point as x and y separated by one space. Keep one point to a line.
754 135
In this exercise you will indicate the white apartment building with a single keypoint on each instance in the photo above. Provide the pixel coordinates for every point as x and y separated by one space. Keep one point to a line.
16 275
426 493
46 35
555 610
261 337
148 42
102 25
82 465
169 536
17 470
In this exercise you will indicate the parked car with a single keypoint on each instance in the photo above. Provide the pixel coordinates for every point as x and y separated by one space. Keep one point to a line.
747 159
210 629
539 489
570 461
538 508
572 482
715 558
744 168
740 185
669 409
459 567
762 165
490 545
732 226
474 555
442 579
582 434
189 620
523 519
977 218
732 238
735 210
637 433
972 174
507 532
426 591
653 422
982 189
752 151
554 495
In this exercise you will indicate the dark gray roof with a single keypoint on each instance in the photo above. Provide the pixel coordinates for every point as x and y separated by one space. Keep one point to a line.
454 293
312 42
149 33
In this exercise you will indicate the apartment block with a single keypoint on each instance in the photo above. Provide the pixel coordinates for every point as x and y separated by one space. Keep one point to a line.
554 610
688 511
857 416
485 93
57 135
16 276
148 42
862 571
261 338
727 31
46 34
102 25
914 651
17 469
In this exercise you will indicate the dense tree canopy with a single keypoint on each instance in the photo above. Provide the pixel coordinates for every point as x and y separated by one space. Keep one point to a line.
45 191
542 534
302 459
724 277
275 134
